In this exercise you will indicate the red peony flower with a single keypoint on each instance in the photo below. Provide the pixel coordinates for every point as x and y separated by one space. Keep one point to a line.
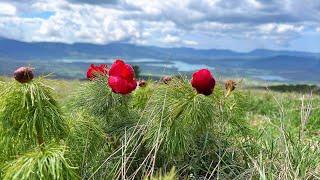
23 74
121 78
203 81
95 71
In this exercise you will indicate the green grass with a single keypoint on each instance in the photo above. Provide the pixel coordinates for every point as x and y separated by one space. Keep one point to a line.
170 132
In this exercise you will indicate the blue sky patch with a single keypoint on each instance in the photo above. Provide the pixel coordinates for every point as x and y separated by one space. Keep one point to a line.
42 15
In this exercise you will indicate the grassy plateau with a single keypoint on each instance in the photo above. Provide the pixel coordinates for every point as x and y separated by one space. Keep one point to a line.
70 129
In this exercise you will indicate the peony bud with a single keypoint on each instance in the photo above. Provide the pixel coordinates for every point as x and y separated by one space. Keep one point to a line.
166 79
142 83
23 74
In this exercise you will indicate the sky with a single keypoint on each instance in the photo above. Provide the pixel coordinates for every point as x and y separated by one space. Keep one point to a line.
240 25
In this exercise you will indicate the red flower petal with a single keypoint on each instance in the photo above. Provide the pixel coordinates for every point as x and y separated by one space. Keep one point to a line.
95 71
103 68
203 81
121 69
120 85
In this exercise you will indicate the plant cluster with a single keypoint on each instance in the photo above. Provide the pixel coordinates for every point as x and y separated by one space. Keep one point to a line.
115 126
32 127
161 125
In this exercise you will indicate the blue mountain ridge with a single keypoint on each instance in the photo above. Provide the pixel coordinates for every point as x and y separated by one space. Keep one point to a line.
292 65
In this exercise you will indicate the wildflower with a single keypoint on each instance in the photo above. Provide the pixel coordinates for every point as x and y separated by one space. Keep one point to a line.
23 74
122 78
203 81
95 71
166 79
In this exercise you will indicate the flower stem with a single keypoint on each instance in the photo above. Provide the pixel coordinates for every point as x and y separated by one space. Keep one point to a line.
40 140
228 93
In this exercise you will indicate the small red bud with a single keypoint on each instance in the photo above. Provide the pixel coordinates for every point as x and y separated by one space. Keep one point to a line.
23 74
142 83
166 79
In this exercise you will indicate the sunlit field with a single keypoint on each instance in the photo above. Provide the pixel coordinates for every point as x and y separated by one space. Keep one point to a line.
166 129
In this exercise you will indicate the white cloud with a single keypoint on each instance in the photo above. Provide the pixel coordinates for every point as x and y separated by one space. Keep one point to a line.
18 28
171 39
176 41
318 29
213 26
7 9
190 43
77 23
158 22
255 4
280 28
284 28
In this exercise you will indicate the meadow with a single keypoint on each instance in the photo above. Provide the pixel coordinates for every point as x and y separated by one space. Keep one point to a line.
70 129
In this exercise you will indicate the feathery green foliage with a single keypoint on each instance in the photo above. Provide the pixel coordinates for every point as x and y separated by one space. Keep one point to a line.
171 124
142 95
178 115
29 112
116 118
250 134
111 109
170 176
89 143
98 99
30 120
48 163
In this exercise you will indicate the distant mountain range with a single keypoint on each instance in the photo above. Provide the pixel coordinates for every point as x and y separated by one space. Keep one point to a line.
290 65
17 50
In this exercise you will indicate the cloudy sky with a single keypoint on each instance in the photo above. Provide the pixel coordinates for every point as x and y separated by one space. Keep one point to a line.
241 25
